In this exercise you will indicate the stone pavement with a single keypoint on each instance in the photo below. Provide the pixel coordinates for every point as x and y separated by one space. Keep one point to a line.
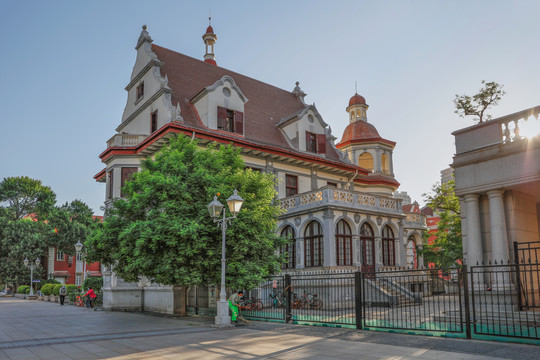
40 330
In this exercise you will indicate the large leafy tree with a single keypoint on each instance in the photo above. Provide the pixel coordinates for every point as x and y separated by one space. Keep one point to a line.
22 196
162 229
446 249
489 95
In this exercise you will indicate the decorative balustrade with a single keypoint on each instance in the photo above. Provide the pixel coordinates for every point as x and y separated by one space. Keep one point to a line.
415 220
338 197
125 140
504 130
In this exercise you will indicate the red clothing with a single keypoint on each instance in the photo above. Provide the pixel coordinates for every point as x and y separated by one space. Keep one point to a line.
91 293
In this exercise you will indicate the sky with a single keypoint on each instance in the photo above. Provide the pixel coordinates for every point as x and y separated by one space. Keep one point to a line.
64 66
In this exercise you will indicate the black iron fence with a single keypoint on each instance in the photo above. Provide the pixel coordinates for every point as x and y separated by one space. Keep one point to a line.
483 301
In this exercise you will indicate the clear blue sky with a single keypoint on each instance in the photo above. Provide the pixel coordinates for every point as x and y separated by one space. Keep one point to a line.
64 66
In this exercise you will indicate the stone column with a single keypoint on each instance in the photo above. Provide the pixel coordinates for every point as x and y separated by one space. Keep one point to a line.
420 258
300 249
463 227
474 236
499 241
357 251
329 238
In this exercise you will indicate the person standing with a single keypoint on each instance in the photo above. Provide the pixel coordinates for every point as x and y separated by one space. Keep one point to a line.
62 292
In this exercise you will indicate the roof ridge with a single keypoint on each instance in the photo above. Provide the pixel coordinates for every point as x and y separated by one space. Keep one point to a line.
224 68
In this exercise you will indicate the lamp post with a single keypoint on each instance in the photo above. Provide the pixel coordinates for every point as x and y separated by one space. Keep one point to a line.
78 248
31 266
214 208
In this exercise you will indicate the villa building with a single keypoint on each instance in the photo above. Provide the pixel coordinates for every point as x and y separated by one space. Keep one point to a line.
340 212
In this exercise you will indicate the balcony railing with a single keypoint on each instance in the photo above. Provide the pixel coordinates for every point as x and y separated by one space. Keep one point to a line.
507 129
125 140
415 221
353 200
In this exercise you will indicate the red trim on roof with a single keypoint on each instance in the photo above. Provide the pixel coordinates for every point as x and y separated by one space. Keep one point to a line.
380 140
100 174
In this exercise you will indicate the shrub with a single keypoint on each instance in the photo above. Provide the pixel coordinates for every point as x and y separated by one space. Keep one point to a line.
51 281
22 289
47 289
27 290
95 283
72 288
56 289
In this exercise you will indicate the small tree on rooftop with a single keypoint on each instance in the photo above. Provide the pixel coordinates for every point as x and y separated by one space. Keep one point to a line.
478 104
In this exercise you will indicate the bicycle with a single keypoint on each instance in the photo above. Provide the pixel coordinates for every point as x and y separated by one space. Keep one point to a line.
250 304
79 301
310 301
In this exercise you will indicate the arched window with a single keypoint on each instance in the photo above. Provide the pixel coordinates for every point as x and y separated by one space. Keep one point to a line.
343 243
384 164
313 241
368 248
290 248
411 252
388 243
365 160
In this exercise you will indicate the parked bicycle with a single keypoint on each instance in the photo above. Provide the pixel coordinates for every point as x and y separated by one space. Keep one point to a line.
310 301
250 304
280 298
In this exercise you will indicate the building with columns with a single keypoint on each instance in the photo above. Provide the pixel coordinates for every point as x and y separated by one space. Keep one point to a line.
340 212
497 174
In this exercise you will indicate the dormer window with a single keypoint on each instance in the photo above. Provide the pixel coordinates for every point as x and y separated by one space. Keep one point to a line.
230 120
153 122
315 143
140 91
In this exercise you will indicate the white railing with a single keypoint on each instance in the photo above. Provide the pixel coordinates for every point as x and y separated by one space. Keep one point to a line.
353 200
507 129
125 140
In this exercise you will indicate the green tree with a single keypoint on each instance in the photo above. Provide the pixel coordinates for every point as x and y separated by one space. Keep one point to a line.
70 223
162 229
22 196
446 250
477 104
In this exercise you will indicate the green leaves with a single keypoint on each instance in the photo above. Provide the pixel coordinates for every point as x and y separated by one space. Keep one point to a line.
476 105
446 248
162 229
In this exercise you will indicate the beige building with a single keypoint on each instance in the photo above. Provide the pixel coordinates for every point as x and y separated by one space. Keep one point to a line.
497 174
340 211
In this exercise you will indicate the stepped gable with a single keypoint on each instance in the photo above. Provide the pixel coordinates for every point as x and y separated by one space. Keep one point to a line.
266 105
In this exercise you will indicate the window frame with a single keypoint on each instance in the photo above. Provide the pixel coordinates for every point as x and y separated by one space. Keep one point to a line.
139 93
289 248
126 173
291 190
313 245
343 244
388 246
60 256
153 121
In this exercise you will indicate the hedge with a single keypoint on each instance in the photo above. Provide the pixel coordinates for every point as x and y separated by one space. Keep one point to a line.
56 289
47 289
22 289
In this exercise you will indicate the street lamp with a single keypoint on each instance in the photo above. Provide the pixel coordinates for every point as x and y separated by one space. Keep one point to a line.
31 266
214 208
78 248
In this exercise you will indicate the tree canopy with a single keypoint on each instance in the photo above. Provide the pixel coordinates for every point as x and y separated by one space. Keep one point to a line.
446 249
477 105
30 223
162 229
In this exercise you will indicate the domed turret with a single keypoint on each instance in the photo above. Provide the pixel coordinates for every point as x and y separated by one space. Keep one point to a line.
209 40
357 108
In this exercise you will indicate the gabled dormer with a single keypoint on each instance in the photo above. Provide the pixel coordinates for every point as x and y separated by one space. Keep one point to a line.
305 130
221 106
148 104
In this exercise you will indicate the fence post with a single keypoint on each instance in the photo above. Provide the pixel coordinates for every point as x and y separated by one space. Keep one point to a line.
466 294
358 298
288 314
518 276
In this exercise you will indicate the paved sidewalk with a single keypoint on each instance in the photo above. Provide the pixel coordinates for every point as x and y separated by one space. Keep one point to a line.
40 330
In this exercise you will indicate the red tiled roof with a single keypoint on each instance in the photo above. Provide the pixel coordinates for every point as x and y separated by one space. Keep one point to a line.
209 30
266 105
361 131
357 100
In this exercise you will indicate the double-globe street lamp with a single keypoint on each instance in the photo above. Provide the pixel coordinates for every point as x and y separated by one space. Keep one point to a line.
31 265
78 248
214 208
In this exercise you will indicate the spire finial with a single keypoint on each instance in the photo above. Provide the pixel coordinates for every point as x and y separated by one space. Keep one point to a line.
355 87
209 21
144 27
